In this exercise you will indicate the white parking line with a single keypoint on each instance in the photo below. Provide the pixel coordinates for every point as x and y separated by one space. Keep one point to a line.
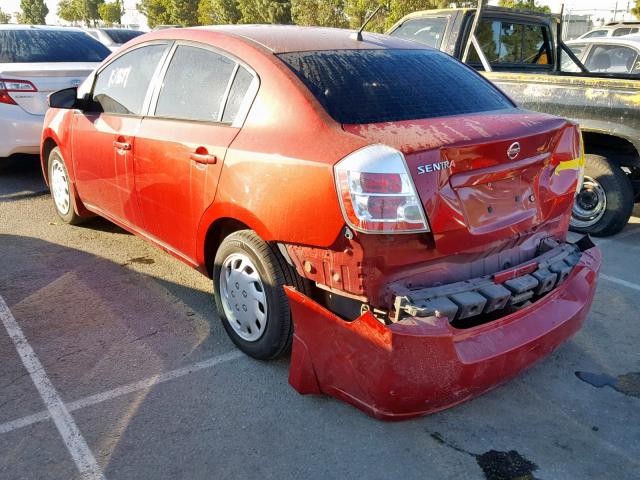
619 281
73 439
124 390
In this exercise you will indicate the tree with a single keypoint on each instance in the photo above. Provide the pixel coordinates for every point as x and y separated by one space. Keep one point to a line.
357 12
265 11
158 12
636 10
70 10
213 12
4 17
327 13
184 12
111 12
524 5
400 8
33 12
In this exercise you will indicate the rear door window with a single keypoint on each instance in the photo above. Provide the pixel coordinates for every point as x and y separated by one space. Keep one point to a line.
428 31
612 59
38 46
121 87
195 85
509 43
369 86
237 94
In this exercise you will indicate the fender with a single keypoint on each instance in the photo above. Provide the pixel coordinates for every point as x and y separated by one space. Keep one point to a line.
219 210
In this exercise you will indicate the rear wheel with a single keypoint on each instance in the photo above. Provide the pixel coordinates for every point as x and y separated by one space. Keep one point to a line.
61 188
605 202
248 279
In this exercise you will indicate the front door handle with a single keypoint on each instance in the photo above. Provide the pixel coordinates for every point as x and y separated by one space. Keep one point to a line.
203 157
122 145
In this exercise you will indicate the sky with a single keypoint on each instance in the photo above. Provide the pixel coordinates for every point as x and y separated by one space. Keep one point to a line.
604 7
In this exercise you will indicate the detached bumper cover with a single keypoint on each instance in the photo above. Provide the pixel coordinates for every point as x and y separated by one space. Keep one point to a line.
421 365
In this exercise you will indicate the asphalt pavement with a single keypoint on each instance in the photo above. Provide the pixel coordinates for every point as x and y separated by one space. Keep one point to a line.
113 364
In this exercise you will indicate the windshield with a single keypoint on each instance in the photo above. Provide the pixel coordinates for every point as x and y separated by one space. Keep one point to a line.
120 35
38 46
369 86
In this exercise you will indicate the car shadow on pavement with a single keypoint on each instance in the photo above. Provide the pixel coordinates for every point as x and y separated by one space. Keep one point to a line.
21 178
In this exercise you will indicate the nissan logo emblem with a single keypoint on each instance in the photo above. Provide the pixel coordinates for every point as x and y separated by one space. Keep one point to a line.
513 151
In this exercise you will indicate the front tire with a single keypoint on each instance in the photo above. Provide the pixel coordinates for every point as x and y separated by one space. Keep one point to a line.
248 279
605 202
61 188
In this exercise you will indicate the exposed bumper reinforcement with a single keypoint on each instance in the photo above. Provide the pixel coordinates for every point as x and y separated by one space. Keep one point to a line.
422 364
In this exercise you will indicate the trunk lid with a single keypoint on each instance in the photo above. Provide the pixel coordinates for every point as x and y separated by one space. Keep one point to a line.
482 177
47 78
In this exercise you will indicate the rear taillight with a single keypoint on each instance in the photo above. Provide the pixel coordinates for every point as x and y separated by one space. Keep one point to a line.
7 86
377 194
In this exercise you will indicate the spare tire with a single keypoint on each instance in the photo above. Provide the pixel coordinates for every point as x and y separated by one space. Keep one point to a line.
605 202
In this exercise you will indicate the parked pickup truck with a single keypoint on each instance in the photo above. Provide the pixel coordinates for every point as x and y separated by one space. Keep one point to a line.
520 52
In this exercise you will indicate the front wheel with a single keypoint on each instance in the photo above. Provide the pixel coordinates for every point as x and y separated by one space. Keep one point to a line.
605 202
248 279
62 189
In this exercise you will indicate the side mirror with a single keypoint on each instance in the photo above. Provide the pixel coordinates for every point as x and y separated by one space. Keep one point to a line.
67 98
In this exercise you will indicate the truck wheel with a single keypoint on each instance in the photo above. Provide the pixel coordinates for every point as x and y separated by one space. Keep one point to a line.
62 189
605 203
248 279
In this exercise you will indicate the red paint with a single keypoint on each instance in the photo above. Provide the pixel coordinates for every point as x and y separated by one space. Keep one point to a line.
172 181
422 365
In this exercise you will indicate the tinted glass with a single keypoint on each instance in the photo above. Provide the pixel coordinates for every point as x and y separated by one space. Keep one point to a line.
194 85
236 94
38 46
122 86
120 35
596 33
368 86
612 59
513 43
428 31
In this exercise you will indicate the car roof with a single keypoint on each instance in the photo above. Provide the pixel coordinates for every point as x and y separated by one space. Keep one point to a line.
293 38
626 40
39 27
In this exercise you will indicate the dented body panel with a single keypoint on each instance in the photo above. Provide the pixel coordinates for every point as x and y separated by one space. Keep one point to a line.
422 365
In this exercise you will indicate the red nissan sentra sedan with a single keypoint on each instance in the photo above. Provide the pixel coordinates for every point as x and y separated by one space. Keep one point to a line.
372 203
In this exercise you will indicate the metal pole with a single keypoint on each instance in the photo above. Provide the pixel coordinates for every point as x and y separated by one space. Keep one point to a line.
473 40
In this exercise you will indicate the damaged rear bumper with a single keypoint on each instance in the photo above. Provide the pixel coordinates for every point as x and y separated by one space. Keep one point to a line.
423 364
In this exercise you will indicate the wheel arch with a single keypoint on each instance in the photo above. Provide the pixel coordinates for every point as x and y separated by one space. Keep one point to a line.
47 145
215 233
618 149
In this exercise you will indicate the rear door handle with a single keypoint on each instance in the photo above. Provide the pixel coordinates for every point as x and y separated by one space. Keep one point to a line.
122 145
203 158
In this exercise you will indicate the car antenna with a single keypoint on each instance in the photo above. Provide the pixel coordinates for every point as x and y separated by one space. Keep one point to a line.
358 35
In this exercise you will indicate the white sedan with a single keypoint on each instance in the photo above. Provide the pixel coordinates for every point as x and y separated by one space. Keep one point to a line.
35 61
619 55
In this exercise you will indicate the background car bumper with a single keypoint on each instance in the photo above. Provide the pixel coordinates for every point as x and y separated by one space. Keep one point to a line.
19 131
421 365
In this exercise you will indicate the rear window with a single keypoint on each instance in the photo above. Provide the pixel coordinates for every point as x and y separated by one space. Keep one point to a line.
122 36
428 31
369 86
38 46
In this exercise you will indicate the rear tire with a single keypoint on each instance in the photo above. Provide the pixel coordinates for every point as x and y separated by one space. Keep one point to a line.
248 279
61 189
605 203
